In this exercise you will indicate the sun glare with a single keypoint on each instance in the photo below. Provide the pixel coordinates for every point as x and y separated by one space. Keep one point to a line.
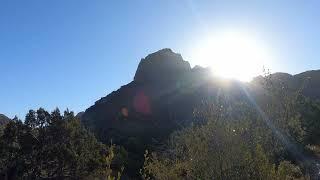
232 55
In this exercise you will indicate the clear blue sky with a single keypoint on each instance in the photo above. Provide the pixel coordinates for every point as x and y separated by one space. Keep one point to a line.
69 53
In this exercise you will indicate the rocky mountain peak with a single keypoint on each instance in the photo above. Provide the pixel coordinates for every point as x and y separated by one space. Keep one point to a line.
163 65
3 119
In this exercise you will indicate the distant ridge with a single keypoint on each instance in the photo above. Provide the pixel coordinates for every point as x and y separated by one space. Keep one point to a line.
308 82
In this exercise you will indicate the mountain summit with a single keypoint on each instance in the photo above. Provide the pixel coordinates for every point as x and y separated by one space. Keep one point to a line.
163 65
158 76
3 119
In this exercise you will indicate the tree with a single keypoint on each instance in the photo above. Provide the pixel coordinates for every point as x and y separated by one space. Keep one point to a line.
52 146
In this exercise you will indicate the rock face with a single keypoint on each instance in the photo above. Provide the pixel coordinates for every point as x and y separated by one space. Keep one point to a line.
144 103
3 120
79 115
163 65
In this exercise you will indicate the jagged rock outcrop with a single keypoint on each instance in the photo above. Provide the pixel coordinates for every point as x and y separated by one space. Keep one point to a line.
3 120
79 115
161 66
146 101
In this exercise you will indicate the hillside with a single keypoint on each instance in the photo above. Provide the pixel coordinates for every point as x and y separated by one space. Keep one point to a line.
307 82
164 93
312 83
161 98
164 96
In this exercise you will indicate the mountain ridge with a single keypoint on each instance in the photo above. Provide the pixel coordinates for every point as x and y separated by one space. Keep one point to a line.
156 68
163 71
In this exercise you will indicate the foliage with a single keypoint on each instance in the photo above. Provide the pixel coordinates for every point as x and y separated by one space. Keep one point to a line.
287 170
48 146
218 150
237 141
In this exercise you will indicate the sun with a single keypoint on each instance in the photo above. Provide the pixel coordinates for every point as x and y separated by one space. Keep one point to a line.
230 54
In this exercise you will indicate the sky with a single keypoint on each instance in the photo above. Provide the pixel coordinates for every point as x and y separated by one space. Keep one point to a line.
68 54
